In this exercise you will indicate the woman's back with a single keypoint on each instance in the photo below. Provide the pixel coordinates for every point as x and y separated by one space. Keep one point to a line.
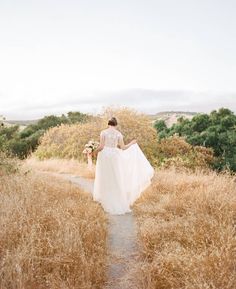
111 137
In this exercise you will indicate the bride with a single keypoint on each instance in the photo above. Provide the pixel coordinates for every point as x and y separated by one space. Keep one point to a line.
121 173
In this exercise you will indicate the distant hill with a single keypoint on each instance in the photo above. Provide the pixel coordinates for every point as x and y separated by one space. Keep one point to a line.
23 122
170 117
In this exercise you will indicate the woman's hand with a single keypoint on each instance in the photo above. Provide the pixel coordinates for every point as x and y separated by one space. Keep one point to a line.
134 141
94 153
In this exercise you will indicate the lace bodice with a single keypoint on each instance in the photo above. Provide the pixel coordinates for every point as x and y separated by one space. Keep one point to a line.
111 137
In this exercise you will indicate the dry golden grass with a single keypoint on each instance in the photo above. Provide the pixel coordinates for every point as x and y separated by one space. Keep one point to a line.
52 235
187 232
71 166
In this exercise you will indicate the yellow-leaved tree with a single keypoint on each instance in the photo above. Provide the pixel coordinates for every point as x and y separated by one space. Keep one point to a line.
67 141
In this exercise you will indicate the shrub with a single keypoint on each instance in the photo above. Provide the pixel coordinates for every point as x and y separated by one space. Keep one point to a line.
175 151
216 131
22 143
19 147
8 165
67 141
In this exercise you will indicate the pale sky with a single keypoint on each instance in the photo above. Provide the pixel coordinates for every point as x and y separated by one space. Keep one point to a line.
68 55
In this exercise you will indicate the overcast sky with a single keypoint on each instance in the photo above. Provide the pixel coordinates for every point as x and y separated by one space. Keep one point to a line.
68 55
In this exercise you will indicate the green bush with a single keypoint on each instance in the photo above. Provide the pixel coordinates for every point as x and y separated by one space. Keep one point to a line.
216 130
19 148
8 165
22 143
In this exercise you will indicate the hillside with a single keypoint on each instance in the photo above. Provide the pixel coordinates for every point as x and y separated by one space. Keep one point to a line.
23 122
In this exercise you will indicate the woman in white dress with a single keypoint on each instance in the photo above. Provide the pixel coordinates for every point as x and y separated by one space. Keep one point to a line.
121 173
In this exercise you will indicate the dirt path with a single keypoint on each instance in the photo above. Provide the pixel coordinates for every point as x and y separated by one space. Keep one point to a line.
122 241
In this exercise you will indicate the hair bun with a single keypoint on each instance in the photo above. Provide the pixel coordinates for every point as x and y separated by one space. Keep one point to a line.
112 121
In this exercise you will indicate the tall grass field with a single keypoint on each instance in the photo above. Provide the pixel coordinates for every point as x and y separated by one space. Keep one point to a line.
52 234
186 228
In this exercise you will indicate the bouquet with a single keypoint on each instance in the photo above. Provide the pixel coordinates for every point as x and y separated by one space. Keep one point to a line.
88 149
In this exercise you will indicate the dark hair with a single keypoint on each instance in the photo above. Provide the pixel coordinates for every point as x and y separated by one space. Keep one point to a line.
112 121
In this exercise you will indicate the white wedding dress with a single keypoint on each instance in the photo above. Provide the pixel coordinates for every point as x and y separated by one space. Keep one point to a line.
120 175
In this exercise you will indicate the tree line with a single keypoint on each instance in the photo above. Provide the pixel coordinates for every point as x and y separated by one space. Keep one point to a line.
216 130
21 143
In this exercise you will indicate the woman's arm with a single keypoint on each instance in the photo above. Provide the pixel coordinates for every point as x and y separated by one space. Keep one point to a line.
123 146
101 144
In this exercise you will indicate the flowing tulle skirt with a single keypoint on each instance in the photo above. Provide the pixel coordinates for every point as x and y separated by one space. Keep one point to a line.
120 177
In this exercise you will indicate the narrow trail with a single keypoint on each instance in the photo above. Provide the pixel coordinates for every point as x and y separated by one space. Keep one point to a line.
122 239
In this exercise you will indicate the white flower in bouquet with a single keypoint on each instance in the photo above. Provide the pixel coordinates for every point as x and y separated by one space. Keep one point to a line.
87 150
90 147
